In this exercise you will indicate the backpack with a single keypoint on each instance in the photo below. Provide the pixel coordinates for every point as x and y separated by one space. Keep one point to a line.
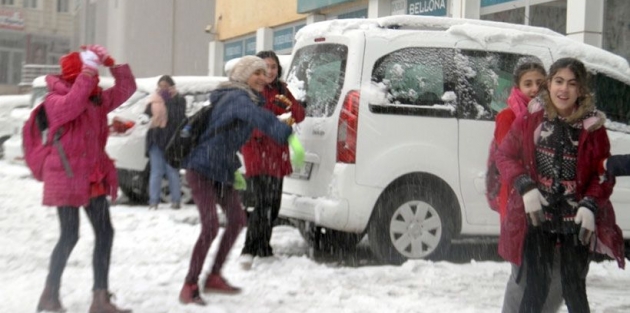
37 143
493 178
187 134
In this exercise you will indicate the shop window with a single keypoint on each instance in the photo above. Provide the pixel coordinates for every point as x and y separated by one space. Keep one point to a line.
31 4
8 2
62 6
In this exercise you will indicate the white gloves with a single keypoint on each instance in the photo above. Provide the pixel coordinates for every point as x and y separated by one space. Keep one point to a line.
90 59
533 201
585 217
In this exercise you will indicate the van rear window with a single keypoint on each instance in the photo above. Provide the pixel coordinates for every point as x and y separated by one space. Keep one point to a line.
316 77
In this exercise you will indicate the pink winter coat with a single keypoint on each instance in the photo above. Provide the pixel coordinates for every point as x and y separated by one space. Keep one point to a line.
83 138
516 157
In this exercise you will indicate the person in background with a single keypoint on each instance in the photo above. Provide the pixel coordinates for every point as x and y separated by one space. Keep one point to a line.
167 109
82 175
212 168
266 163
529 74
550 157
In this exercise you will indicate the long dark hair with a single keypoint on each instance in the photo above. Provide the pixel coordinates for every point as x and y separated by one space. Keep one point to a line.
270 54
168 79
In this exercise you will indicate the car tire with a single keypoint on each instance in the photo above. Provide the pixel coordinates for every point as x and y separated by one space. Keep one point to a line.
134 185
410 221
165 194
323 239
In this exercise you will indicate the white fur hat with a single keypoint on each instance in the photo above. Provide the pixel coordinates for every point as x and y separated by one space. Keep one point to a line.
245 67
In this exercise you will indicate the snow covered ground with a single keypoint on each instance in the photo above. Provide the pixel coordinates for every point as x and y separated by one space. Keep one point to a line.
152 250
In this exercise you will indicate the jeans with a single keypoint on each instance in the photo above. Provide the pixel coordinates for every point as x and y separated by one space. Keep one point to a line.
159 167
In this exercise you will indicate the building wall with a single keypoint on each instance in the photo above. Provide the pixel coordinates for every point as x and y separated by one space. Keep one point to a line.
39 35
617 27
238 18
156 37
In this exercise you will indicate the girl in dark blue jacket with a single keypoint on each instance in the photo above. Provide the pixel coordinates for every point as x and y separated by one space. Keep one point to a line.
211 167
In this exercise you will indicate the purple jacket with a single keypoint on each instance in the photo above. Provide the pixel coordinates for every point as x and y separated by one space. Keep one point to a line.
84 136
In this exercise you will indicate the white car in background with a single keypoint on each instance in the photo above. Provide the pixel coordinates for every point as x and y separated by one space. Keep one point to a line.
126 143
7 104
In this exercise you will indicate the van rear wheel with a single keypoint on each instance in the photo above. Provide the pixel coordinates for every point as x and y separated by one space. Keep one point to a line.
410 222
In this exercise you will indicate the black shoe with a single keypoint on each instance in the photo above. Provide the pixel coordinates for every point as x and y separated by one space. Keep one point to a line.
176 206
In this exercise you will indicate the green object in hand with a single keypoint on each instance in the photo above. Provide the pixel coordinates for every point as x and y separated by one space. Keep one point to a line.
297 159
239 181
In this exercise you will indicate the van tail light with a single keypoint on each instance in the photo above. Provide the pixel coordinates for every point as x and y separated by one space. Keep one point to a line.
347 128
120 126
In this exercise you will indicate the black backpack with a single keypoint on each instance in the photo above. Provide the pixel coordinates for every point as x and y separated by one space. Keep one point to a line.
187 134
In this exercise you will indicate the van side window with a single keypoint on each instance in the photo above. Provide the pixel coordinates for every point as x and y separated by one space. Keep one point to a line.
316 77
414 76
611 97
484 84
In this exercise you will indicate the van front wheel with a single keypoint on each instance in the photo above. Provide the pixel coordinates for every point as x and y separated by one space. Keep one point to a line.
410 222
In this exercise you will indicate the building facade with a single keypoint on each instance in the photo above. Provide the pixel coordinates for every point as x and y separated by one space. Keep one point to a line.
35 33
245 26
155 37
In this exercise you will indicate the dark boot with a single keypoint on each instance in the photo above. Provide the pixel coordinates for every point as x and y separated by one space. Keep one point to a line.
101 303
49 300
190 294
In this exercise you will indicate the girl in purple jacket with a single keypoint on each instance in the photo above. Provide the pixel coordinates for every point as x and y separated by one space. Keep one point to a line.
76 105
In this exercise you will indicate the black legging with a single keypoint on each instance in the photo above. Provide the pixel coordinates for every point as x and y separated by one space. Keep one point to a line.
98 213
268 192
538 256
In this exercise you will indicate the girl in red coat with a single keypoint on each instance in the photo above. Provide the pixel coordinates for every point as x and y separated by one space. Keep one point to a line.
266 163
550 157
80 174
529 75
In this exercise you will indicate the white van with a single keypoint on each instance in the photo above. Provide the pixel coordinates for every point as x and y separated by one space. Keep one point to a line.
400 114
126 143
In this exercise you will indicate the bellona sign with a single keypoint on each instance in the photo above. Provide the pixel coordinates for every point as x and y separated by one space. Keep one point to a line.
427 7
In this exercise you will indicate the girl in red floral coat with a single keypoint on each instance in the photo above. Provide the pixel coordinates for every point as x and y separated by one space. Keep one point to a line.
550 157
266 163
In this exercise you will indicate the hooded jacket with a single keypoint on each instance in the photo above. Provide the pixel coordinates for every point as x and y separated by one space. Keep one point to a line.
215 156
516 157
83 138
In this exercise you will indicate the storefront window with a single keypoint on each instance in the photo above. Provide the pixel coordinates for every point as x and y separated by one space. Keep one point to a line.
617 27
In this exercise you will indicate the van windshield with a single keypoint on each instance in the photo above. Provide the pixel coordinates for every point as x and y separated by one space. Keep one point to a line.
316 77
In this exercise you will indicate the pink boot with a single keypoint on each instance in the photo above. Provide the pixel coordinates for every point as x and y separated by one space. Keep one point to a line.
101 303
190 294
49 300
216 283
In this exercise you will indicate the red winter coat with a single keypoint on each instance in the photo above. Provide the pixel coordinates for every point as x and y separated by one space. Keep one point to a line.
516 157
262 155
517 105
83 138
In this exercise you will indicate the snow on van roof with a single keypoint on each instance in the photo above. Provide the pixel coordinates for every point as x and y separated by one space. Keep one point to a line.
483 32
408 22
184 84
594 58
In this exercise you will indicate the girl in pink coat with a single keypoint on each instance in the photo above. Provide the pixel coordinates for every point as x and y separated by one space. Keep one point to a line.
76 105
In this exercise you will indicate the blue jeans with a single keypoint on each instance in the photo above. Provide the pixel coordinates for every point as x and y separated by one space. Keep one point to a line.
159 167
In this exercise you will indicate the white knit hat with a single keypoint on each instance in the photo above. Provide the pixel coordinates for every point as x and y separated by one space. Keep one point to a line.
245 67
